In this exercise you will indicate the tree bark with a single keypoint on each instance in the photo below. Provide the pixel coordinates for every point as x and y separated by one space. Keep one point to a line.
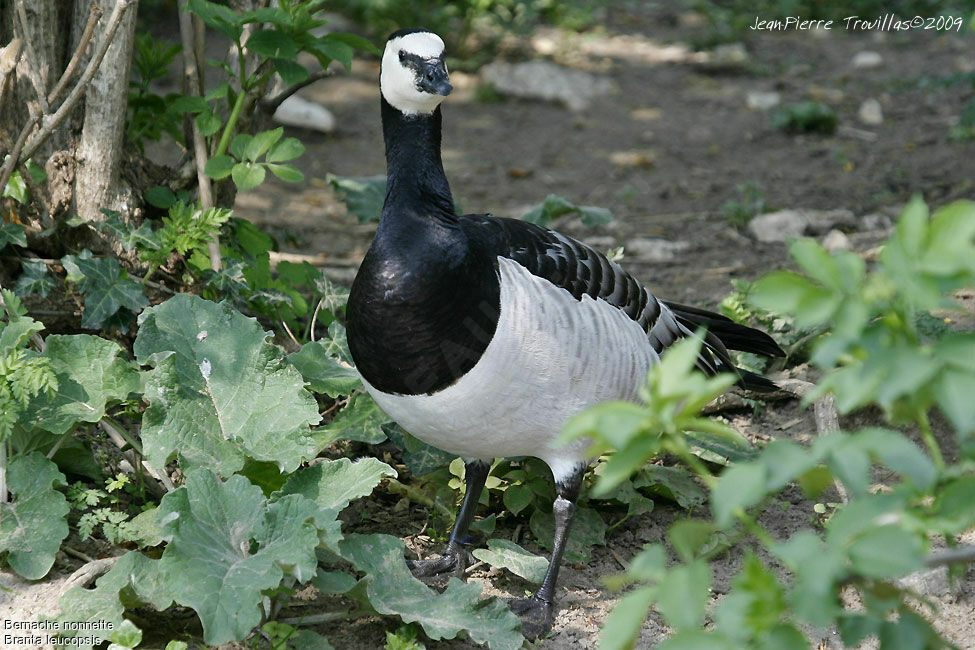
47 32
100 150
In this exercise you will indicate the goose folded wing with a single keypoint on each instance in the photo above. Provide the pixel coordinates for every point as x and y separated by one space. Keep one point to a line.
582 270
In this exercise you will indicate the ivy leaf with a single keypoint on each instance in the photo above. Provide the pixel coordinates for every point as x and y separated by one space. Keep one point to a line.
12 233
333 484
218 390
361 421
227 544
32 527
91 373
248 175
106 287
392 589
34 279
508 555
324 373
126 234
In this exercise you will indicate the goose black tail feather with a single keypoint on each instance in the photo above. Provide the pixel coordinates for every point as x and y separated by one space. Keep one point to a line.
734 335
731 335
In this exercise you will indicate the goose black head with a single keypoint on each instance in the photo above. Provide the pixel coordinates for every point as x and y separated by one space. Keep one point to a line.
414 77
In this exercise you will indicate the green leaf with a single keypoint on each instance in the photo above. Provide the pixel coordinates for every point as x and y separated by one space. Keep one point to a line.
361 420
135 575
333 582
16 188
673 483
592 216
393 590
624 623
261 142
291 72
34 279
324 373
358 42
740 486
159 196
517 497
886 552
508 555
128 235
248 175
287 173
788 293
953 392
696 640
364 197
552 207
287 149
817 567
12 233
219 391
685 594
107 289
227 544
219 17
420 457
126 635
692 538
33 526
272 44
333 484
588 529
208 123
219 167
91 373
332 48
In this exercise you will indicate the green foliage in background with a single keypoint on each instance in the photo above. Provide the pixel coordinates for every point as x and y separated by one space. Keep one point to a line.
875 350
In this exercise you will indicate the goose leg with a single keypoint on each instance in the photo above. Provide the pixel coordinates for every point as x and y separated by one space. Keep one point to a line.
454 559
536 611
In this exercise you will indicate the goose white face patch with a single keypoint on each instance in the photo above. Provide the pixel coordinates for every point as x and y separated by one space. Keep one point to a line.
398 81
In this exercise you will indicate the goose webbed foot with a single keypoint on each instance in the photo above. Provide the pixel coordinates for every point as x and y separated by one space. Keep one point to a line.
535 614
436 569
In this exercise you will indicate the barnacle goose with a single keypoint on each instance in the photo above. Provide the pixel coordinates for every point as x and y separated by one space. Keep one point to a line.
482 335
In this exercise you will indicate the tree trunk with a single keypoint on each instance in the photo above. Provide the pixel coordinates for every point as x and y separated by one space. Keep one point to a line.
97 180
49 36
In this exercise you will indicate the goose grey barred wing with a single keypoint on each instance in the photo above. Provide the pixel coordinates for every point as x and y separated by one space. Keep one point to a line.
582 270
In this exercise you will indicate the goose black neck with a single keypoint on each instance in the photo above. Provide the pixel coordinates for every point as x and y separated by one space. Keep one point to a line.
415 180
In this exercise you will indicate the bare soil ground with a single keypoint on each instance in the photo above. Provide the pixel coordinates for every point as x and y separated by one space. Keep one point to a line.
663 151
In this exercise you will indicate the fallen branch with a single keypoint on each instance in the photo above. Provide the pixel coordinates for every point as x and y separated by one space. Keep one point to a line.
87 573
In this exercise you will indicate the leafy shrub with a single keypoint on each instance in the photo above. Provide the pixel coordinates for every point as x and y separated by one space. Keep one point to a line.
874 352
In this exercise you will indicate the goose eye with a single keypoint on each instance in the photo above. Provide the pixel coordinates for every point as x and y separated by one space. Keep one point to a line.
402 56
